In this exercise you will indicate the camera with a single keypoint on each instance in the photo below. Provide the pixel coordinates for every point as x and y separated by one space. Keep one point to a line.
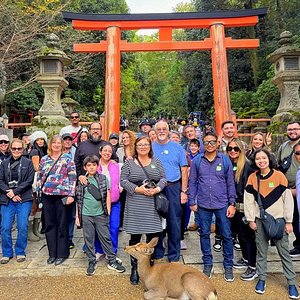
13 184
149 184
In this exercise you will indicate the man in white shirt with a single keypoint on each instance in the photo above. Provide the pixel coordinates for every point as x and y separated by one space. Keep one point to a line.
74 129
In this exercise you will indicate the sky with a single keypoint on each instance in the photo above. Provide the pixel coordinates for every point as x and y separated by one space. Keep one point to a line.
152 6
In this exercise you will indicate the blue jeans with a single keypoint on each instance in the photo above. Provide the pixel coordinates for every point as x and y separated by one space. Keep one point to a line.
8 212
114 225
205 219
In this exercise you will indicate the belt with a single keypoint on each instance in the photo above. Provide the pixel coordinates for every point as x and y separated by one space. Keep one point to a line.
169 183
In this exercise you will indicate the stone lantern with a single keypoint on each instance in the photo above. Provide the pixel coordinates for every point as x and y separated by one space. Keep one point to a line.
286 62
52 78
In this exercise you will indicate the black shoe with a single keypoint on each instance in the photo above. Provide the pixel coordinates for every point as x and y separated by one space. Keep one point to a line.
295 252
116 266
217 245
91 268
249 275
59 261
208 270
240 264
51 260
71 245
134 275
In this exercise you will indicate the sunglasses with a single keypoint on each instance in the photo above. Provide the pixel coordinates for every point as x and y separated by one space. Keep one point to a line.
74 117
297 152
4 142
212 143
16 149
235 149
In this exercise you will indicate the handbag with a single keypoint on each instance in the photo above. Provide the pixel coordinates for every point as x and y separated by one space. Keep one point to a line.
161 202
94 191
285 163
39 193
273 228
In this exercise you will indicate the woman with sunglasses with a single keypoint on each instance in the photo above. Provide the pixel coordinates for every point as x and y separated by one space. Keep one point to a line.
16 177
4 147
246 236
277 200
141 184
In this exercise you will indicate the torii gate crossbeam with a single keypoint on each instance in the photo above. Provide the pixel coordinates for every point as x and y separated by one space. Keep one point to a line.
217 43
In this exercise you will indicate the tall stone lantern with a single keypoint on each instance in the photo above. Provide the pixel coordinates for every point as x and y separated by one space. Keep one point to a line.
52 78
286 62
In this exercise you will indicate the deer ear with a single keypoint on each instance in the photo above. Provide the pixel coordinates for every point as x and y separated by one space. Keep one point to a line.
153 242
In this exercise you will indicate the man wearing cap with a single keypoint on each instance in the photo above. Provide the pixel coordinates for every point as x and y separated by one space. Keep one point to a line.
74 129
4 144
68 144
145 126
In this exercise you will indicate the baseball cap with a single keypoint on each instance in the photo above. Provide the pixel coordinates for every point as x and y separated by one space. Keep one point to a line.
4 137
67 135
114 136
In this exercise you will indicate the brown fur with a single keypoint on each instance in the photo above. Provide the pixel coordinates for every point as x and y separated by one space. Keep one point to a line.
170 280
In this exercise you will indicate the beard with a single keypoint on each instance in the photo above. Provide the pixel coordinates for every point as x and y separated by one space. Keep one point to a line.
294 139
95 139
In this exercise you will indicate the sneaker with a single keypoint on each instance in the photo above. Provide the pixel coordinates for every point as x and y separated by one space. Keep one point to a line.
208 270
92 266
183 245
228 275
21 258
5 260
295 252
293 292
236 245
217 245
260 287
114 265
71 245
250 274
240 264
119 260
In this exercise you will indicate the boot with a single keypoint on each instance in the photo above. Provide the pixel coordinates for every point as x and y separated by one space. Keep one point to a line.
36 225
134 276
31 236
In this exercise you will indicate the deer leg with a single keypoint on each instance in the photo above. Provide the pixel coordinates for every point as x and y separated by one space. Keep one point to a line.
154 295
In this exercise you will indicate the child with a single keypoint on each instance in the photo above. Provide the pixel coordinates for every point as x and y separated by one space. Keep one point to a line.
92 213
194 146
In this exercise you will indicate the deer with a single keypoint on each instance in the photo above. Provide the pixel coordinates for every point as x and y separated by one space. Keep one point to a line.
170 280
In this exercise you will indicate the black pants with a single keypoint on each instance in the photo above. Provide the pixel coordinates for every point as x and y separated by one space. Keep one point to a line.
136 238
56 226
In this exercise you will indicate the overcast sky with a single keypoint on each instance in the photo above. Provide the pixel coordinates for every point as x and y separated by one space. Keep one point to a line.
152 6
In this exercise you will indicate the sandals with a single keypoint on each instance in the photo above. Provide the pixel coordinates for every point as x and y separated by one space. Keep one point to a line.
21 258
5 260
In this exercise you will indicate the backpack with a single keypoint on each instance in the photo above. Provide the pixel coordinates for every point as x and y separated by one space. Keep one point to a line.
285 163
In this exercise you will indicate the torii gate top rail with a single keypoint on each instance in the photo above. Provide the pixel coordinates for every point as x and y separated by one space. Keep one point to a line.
217 43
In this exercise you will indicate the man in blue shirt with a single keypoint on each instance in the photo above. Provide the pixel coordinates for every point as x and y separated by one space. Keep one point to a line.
175 164
212 191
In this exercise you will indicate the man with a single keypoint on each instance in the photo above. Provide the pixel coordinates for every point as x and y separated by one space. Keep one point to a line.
212 192
145 126
174 162
26 140
74 129
88 147
284 151
68 144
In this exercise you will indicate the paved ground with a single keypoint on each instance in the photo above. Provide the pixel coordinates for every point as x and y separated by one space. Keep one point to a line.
34 279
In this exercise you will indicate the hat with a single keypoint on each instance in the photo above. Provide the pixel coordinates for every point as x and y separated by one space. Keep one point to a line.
38 135
4 137
145 122
23 134
67 135
114 136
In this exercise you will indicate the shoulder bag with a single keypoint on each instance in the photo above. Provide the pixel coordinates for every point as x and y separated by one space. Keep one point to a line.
273 228
161 202
39 194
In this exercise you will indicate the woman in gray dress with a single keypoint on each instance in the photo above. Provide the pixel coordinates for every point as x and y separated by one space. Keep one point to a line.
141 216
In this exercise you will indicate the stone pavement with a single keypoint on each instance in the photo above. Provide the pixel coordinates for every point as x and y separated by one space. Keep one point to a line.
37 254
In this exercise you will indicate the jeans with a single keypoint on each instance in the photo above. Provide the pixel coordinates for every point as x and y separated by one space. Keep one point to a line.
114 225
205 219
71 211
8 212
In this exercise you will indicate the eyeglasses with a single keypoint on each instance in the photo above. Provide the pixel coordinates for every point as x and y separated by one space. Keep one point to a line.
4 142
96 129
74 117
297 152
292 129
142 145
235 149
16 149
212 143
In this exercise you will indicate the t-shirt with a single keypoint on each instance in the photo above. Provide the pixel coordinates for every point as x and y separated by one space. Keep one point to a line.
172 157
91 206
72 130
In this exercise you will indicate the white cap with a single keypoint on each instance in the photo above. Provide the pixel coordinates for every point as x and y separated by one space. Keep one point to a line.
38 135
4 137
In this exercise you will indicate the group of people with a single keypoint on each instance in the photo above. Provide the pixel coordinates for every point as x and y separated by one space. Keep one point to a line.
78 178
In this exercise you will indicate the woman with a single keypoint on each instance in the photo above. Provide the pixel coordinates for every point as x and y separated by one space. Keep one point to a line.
4 147
111 170
16 177
152 135
83 136
56 179
246 236
141 216
127 151
38 140
278 201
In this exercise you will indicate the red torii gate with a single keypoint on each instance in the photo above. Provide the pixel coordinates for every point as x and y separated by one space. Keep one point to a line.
217 43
